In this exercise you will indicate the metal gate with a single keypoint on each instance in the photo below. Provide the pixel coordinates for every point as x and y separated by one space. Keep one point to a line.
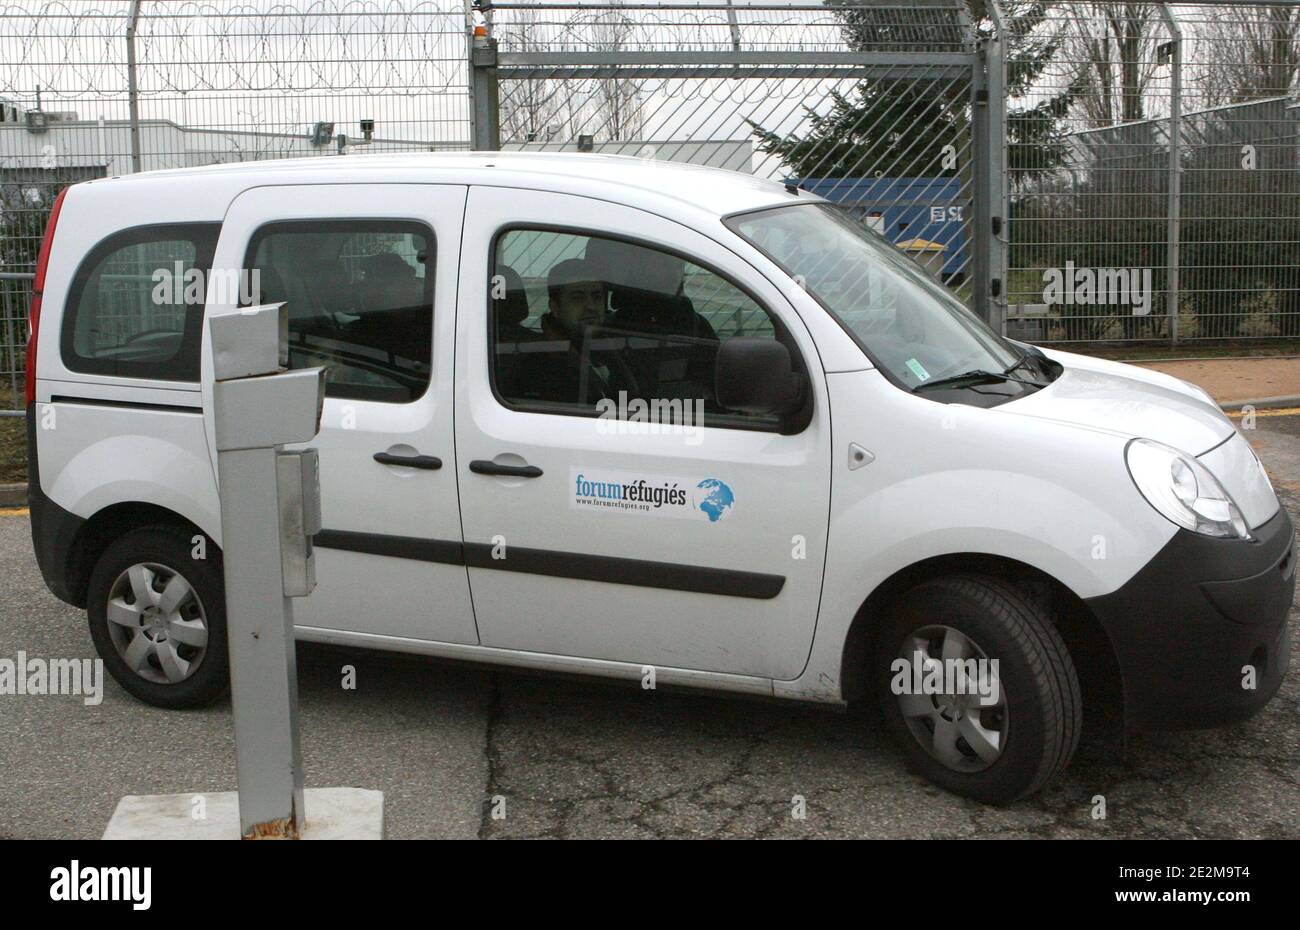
893 110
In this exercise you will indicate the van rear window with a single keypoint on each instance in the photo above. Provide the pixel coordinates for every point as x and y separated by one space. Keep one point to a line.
135 308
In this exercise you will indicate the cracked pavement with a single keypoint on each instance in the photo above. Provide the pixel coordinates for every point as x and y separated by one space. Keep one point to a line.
465 751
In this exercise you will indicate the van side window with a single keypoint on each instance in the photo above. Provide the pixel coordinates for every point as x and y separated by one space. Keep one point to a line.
360 299
588 325
135 308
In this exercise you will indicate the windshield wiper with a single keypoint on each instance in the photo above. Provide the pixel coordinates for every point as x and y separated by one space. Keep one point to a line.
977 376
1025 357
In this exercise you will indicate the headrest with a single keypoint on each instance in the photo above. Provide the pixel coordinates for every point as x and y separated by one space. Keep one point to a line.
512 308
621 264
385 263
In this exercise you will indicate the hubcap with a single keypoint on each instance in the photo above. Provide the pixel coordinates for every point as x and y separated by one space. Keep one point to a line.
965 729
157 623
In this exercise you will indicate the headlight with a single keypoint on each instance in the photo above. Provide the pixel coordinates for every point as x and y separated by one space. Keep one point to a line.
1182 490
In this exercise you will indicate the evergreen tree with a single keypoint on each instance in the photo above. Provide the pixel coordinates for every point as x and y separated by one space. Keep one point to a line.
897 126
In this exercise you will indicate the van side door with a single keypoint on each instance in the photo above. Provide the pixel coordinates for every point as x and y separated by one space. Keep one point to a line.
368 272
590 531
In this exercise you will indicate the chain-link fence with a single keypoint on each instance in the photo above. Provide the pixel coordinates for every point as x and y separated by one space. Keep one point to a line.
1153 176
93 89
1092 171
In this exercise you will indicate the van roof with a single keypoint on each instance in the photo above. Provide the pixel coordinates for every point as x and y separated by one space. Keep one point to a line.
716 190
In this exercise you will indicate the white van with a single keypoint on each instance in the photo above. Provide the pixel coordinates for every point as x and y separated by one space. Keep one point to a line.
609 415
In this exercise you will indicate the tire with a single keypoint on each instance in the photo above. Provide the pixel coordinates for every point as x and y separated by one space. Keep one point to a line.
971 746
174 665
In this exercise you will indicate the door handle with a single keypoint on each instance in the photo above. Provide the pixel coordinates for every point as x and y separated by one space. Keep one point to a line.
427 462
485 467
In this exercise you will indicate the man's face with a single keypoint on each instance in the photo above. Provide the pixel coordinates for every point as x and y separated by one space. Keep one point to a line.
581 303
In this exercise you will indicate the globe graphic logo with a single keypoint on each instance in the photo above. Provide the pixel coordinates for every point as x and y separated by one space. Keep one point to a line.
714 498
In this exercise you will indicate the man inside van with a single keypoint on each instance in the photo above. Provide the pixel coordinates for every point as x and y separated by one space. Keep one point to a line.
570 371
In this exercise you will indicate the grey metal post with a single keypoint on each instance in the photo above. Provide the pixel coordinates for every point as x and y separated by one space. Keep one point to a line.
132 85
266 554
10 345
1173 231
28 278
485 102
988 228
734 24
263 667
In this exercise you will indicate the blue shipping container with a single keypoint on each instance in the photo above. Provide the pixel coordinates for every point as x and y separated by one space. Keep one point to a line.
933 209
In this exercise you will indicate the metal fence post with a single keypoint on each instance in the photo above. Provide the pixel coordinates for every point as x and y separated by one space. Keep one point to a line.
12 286
485 104
988 127
1173 230
132 84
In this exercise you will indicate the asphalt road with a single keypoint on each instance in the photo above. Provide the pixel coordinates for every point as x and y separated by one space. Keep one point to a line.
465 752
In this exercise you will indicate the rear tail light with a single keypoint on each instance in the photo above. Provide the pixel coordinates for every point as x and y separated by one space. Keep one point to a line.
38 287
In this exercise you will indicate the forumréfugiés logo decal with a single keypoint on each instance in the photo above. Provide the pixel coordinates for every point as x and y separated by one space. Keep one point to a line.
692 498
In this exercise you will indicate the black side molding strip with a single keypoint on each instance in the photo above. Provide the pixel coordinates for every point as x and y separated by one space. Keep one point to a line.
397 547
131 404
672 576
643 573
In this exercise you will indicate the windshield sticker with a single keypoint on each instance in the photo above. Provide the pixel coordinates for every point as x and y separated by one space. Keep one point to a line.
917 369
698 498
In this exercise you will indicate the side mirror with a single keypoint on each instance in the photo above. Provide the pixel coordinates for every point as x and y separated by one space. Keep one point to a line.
755 375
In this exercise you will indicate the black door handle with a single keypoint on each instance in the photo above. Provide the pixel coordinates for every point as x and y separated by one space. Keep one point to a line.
484 467
427 462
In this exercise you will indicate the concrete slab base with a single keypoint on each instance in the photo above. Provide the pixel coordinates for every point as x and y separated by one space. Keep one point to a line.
332 814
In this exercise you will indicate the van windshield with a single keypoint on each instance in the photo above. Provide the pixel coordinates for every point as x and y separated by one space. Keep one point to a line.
911 325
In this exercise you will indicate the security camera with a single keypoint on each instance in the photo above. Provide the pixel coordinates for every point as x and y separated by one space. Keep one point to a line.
322 133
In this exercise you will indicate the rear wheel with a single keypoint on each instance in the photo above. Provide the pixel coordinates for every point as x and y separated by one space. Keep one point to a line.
977 688
157 617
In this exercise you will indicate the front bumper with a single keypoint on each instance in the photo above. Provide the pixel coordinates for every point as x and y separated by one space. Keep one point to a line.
1185 627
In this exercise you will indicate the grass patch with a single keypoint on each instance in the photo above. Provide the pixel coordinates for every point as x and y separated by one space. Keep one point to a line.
13 442
13 449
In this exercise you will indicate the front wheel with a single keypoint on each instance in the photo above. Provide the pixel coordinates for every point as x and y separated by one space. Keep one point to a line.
977 688
157 617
